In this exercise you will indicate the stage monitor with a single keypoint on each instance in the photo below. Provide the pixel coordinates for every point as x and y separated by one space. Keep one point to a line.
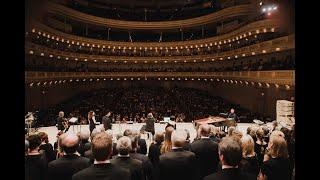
166 119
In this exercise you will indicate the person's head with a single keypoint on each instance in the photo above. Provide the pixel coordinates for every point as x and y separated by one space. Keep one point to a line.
84 136
237 135
204 130
260 134
277 147
101 146
108 114
168 132
214 131
276 133
90 114
61 114
230 152
127 132
249 129
230 130
124 145
150 115
94 132
69 143
247 145
34 141
44 137
159 137
231 110
178 138
222 134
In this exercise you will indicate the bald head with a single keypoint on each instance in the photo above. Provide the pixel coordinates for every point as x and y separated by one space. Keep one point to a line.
69 143
178 138
205 130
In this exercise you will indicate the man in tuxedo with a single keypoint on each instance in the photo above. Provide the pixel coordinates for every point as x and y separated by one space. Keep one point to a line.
102 168
64 167
107 121
230 155
125 161
178 163
60 121
206 152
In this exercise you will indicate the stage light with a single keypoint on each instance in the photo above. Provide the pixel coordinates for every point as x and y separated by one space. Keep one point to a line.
275 8
269 8
204 60
175 61
87 44
277 49
115 61
212 59
67 58
165 61
264 51
125 79
104 79
31 84
243 55
249 33
253 53
84 80
92 45
221 58
269 13
264 10
31 52
156 61
172 79
218 80
165 78
178 79
95 60
85 59
194 60
90 79
192 79
111 79
236 56
76 59
159 79
131 79
51 55
185 61
118 79
135 61
70 80
199 79
260 84
125 61
58 57
229 57
268 85
252 83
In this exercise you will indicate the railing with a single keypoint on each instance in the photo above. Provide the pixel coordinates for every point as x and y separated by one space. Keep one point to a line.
235 11
278 44
267 24
279 77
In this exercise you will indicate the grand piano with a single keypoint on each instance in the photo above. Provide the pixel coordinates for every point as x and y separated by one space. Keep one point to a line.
216 121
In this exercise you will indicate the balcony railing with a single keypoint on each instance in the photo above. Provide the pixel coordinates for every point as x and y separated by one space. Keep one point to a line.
235 11
279 77
268 25
278 44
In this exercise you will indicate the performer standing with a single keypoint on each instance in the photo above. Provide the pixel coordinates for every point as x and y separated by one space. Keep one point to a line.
92 121
107 121
62 122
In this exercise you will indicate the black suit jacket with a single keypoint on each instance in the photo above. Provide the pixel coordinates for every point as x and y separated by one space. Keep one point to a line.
230 174
207 156
146 165
177 164
107 122
142 146
133 165
102 172
60 120
64 167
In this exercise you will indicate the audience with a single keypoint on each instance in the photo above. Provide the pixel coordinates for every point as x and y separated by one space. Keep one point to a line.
35 162
124 160
47 147
206 151
102 168
178 163
249 162
172 154
230 155
167 144
70 163
277 166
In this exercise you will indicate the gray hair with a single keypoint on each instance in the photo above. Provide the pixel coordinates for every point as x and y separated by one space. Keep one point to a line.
124 145
178 138
84 135
61 114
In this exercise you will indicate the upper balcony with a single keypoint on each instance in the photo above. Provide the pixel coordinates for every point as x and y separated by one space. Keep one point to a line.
222 15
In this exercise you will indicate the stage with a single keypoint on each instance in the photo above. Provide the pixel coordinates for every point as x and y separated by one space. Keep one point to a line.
119 128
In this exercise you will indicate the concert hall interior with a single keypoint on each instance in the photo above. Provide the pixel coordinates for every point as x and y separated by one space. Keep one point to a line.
161 89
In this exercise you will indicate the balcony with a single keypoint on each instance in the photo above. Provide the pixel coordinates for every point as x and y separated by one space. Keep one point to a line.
285 78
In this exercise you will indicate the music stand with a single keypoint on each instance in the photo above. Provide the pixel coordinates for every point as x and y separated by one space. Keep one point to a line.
73 121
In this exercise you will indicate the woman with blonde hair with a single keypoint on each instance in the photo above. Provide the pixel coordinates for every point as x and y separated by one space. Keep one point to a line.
167 144
277 165
249 163
260 145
